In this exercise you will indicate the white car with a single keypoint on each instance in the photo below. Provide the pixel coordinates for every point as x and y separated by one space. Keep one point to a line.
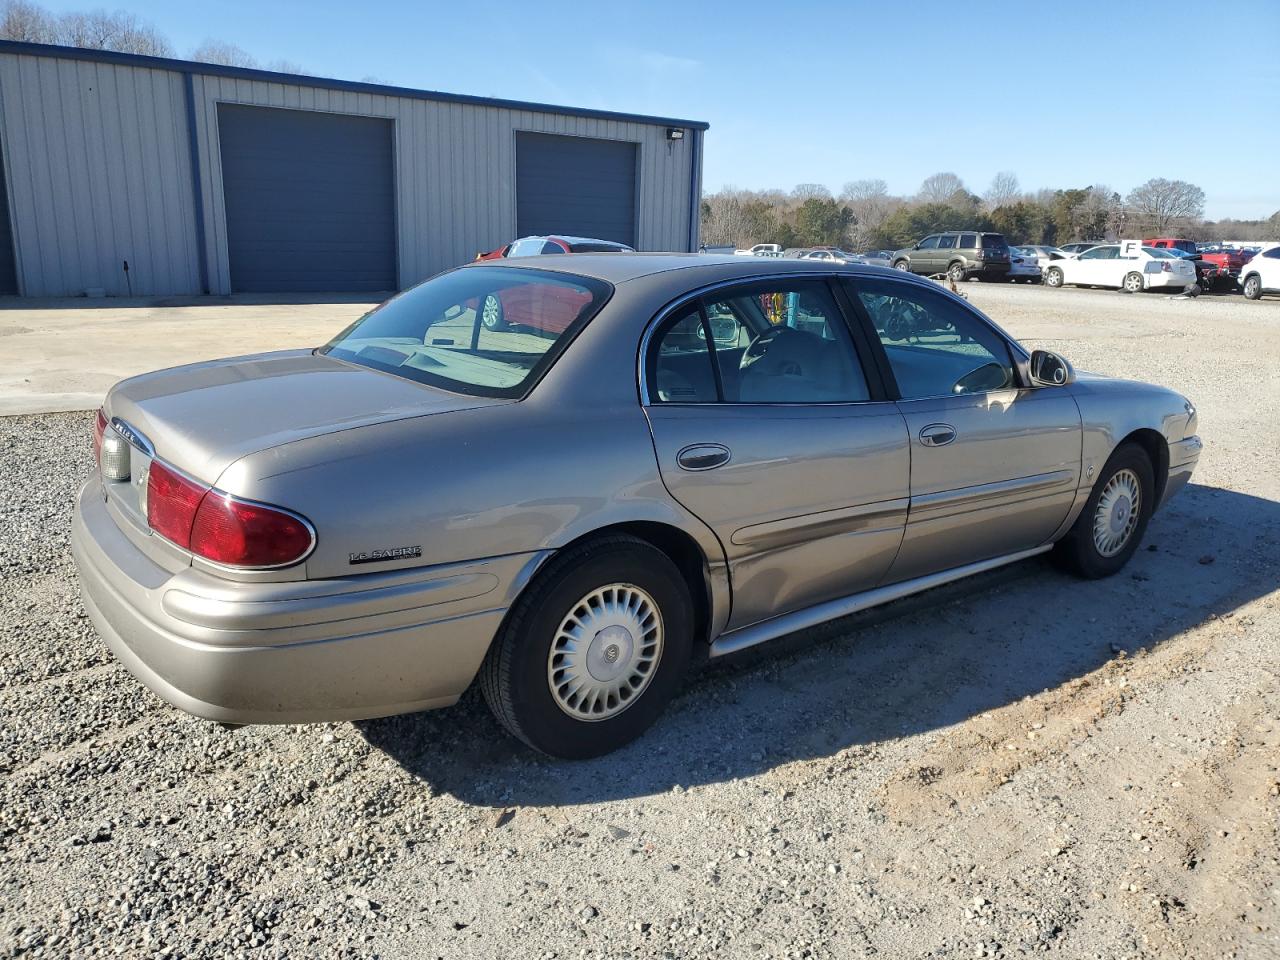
1146 268
1261 274
1023 265
761 250
1045 254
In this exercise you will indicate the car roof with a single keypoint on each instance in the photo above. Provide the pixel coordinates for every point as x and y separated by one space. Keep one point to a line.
621 268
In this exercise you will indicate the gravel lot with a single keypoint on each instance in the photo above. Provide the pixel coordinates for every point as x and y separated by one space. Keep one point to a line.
1020 764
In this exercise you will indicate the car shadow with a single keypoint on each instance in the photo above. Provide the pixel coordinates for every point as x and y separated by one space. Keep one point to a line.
917 665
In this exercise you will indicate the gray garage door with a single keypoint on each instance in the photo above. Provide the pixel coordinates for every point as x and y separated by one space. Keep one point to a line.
575 186
8 275
310 200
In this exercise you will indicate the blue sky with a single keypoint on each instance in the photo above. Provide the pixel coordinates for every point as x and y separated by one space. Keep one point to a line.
1064 94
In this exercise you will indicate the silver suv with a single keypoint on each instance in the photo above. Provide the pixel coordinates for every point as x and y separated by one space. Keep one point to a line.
960 254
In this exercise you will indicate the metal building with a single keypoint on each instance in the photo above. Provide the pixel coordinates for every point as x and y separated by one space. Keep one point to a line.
211 179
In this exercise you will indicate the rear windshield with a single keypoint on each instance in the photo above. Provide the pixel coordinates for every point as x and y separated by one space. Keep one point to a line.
485 331
993 241
590 247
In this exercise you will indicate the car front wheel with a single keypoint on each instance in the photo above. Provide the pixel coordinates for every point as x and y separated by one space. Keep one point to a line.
902 265
593 650
1114 519
1054 277
1253 287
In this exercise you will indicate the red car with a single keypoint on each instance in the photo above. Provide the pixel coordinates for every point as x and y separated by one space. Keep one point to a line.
536 246
540 307
1228 262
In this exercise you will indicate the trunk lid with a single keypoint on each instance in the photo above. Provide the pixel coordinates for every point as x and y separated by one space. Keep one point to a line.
203 417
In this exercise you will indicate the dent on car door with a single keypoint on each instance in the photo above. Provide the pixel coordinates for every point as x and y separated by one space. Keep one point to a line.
767 428
994 465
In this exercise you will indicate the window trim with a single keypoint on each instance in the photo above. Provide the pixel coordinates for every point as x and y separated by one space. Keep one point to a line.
865 357
1018 356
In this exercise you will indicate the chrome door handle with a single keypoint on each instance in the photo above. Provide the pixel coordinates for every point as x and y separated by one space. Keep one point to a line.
937 434
703 456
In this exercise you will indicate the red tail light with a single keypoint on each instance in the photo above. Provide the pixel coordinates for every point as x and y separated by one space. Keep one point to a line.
218 527
172 501
244 534
99 428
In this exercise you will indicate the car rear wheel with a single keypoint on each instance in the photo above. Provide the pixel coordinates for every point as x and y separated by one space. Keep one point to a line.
955 272
492 315
593 650
1133 282
1253 287
1114 519
1054 277
902 265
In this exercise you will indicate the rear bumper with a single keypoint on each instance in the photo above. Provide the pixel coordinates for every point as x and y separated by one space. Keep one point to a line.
1183 457
302 651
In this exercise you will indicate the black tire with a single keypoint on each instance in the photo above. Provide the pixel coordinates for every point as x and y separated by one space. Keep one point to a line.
1054 277
515 675
902 265
1078 551
1252 287
1133 283
955 272
492 316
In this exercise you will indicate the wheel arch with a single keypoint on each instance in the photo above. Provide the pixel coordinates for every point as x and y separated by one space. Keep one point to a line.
1156 448
690 559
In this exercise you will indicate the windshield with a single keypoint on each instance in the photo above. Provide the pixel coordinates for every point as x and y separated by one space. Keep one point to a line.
485 331
601 246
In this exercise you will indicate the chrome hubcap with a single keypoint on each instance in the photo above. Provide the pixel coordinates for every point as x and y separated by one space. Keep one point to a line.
1133 283
489 315
1117 513
605 652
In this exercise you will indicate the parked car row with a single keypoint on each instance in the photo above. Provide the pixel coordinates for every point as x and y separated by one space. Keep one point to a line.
1160 262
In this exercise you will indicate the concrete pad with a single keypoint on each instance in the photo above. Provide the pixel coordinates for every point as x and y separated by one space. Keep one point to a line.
60 355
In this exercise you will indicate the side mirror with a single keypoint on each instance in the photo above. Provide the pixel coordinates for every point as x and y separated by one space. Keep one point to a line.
452 313
1050 370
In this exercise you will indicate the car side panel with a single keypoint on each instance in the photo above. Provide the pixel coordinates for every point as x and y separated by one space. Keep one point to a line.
1003 485
810 506
462 488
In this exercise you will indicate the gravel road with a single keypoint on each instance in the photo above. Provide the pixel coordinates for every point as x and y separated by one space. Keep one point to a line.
1017 765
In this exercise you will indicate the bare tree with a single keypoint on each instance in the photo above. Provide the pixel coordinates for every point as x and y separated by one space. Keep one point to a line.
939 188
285 66
810 191
1159 203
1004 189
871 205
224 54
119 31
27 22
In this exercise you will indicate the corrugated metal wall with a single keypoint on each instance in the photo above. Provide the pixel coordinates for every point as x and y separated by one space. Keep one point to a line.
455 170
99 172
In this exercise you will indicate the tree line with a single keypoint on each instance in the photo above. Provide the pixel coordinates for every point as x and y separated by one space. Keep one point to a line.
119 31
865 216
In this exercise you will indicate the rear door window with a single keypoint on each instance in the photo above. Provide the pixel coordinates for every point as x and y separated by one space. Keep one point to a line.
946 243
774 342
